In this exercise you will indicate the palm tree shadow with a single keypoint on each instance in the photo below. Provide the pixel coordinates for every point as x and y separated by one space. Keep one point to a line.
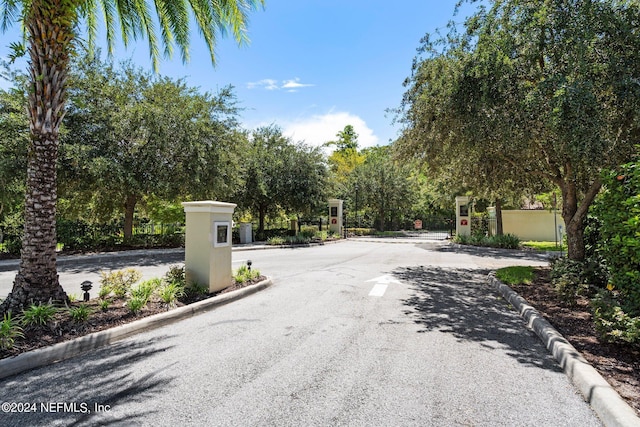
460 302
90 385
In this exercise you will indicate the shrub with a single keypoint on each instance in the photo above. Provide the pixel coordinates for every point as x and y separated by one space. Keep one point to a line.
145 290
176 274
104 304
136 304
505 241
118 282
80 313
195 290
613 323
10 330
618 209
276 240
568 279
243 274
40 314
171 292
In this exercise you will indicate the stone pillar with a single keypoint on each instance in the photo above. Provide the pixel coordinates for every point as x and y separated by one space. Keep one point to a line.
246 232
463 216
335 216
208 244
493 221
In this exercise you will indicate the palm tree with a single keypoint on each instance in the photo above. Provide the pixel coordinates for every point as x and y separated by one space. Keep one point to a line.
51 29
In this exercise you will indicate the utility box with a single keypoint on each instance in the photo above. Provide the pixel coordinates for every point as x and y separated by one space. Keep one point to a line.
246 232
335 216
463 216
208 243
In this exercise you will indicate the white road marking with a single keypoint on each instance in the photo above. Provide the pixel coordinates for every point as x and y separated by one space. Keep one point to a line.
378 290
385 279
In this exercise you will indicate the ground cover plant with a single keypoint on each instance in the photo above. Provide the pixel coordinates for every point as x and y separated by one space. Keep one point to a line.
121 300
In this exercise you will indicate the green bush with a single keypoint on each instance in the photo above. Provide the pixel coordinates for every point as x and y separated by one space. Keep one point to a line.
38 315
145 290
80 313
136 304
10 330
613 323
276 240
118 283
195 290
171 292
361 231
243 274
176 274
505 241
569 279
618 210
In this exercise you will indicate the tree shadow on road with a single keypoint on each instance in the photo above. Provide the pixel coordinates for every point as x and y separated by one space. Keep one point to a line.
119 263
100 379
497 253
460 302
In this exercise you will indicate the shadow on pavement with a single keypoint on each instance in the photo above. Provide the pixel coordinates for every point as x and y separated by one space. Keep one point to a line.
99 379
492 252
118 263
460 302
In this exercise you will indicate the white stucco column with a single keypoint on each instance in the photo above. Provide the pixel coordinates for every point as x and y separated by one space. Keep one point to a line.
208 243
463 216
335 216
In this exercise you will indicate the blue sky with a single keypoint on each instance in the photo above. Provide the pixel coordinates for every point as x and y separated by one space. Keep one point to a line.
313 66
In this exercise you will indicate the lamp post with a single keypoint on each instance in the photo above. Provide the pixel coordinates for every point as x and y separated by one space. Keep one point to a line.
86 287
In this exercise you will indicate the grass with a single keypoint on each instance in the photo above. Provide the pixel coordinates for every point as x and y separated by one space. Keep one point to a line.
541 246
520 275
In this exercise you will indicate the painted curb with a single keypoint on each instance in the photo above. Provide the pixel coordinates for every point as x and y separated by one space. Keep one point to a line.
612 410
68 349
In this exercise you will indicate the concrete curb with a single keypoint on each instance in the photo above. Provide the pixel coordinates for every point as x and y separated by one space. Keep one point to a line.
68 349
605 401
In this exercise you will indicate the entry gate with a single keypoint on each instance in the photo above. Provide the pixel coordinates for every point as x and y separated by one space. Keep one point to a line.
436 228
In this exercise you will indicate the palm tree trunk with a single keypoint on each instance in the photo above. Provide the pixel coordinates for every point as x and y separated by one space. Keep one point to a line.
49 25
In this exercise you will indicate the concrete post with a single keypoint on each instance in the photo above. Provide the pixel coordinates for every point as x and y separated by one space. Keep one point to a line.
208 244
463 216
246 232
335 216
493 224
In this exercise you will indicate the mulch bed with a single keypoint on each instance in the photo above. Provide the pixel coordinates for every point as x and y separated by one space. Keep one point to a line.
63 328
618 364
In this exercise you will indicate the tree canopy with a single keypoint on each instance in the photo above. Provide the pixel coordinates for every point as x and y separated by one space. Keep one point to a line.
530 92
130 135
51 31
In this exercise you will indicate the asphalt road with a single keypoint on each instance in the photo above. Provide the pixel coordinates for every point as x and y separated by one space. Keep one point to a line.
353 334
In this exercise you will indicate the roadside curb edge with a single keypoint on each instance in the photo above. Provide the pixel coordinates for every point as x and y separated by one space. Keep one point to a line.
605 401
68 349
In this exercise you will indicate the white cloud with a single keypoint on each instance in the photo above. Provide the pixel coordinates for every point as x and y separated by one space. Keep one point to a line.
270 84
294 84
318 129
